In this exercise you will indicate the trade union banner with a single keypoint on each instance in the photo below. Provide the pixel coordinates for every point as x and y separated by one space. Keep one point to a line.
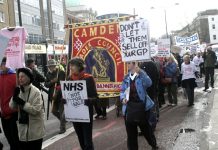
99 46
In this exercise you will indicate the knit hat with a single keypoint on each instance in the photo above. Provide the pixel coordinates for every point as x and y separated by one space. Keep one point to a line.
52 62
27 72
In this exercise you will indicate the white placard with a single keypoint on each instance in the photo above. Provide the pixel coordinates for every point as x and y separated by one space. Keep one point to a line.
154 49
134 40
163 47
75 93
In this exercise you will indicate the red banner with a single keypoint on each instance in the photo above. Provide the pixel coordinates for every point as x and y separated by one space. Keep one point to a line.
99 46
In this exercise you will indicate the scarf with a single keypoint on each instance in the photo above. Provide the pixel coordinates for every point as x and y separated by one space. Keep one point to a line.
80 76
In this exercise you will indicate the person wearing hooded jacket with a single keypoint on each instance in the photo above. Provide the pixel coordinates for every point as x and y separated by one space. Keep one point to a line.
27 99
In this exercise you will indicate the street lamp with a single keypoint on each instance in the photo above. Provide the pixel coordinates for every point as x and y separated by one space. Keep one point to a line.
165 18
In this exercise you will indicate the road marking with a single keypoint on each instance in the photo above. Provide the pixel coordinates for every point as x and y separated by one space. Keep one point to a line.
109 125
69 131
96 135
103 129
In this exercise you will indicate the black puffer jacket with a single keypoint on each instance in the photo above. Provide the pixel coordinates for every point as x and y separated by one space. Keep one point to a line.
151 69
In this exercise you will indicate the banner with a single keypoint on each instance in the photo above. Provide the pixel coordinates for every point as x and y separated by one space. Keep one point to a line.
134 36
181 41
99 46
3 45
75 93
35 49
163 47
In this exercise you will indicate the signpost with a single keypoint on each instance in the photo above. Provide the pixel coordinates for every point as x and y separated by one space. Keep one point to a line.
35 49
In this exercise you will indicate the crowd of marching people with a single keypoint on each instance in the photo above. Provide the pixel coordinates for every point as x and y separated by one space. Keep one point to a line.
149 81
143 89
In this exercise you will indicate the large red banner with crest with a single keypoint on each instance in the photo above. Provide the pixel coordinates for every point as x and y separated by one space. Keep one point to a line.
99 46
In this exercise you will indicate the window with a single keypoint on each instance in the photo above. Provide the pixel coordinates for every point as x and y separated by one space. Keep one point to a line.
214 37
2 17
213 26
1 1
212 19
36 20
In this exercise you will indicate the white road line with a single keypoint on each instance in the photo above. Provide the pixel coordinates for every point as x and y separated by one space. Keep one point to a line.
68 132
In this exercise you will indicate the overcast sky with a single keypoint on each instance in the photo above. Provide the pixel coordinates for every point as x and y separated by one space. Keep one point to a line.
178 16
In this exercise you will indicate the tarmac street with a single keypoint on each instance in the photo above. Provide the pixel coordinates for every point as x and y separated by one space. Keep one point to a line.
179 128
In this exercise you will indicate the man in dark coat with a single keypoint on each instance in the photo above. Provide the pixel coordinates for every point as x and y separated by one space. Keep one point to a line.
38 77
151 69
209 64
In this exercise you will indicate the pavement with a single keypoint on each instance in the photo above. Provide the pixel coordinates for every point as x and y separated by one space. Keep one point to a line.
212 128
179 128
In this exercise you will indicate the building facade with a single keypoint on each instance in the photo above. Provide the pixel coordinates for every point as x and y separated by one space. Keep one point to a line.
31 19
81 13
213 28
205 24
6 14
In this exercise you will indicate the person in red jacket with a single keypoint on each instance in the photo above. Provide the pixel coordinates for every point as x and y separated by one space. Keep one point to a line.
8 116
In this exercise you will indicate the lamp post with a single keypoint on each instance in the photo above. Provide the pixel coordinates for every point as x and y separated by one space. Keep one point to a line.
19 12
165 18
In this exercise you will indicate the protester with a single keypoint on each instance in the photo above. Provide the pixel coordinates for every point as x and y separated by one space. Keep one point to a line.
84 130
135 84
161 85
209 64
170 73
38 77
202 70
53 78
151 69
8 115
188 78
27 99
179 61
198 60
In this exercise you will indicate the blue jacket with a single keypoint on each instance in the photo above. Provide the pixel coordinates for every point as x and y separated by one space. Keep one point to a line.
10 71
170 71
142 82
